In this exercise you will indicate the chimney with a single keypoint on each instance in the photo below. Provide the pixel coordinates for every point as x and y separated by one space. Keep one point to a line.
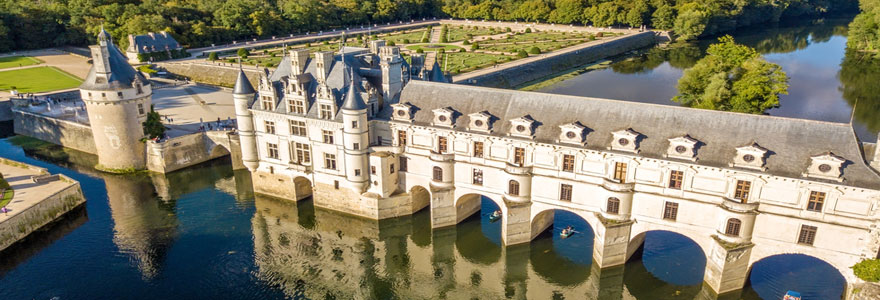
298 60
152 35
324 62
131 44
388 52
375 45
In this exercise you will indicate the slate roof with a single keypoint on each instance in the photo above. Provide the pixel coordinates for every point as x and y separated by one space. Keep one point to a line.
336 79
122 74
151 42
791 142
242 84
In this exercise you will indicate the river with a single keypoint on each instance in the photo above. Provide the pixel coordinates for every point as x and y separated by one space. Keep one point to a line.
202 233
825 80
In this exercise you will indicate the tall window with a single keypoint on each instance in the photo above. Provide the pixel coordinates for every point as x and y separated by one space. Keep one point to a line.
565 192
817 199
325 111
478 177
373 170
670 212
742 190
442 146
613 206
327 136
297 106
272 150
298 128
329 161
270 127
302 153
675 179
403 164
401 138
438 174
478 149
141 109
354 124
567 163
807 235
513 188
391 169
620 172
356 146
733 226
519 156
267 103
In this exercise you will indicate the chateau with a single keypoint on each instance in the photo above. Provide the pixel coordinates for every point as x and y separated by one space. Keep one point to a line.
359 135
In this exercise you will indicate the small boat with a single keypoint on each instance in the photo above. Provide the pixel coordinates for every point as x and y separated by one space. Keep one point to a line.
495 216
792 295
567 232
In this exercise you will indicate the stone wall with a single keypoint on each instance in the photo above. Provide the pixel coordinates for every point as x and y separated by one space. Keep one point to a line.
5 110
518 75
19 226
60 132
181 152
222 74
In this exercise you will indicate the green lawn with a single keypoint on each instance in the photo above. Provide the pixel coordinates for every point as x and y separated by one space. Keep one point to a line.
6 197
433 47
459 33
15 61
39 79
469 61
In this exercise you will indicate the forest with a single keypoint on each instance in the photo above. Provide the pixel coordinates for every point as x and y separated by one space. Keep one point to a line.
195 23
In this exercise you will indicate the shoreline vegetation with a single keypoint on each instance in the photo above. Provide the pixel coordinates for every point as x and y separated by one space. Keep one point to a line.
203 23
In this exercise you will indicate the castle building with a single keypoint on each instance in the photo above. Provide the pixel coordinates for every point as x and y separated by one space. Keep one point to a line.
359 135
146 44
117 98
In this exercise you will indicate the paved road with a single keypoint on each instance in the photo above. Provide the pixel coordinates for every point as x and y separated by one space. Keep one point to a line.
27 193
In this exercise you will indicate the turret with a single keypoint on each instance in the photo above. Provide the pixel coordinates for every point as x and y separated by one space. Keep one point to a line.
242 96
356 137
118 99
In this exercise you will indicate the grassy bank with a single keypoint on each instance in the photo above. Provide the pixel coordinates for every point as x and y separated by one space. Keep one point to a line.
37 79
544 82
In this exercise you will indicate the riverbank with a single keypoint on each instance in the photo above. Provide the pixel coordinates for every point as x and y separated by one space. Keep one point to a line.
40 199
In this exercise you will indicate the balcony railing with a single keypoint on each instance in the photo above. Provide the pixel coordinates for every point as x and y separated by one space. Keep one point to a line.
738 205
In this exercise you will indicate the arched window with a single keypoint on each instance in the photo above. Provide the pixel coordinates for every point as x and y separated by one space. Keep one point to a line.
513 188
613 206
438 174
733 226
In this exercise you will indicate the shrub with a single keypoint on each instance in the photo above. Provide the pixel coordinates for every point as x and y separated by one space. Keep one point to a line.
272 55
212 56
507 29
308 45
406 41
528 30
443 39
600 34
868 270
522 54
466 42
243 53
391 43
153 127
420 50
325 43
424 40
3 184
535 50
475 46
232 60
443 50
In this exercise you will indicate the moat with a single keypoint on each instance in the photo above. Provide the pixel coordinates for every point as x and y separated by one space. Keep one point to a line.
202 233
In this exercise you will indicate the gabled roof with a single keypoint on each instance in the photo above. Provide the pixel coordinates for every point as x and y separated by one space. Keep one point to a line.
793 141
151 42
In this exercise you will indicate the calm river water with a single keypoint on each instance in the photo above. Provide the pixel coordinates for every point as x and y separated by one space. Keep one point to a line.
201 232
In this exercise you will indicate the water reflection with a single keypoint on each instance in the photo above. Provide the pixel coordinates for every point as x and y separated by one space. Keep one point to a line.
24 249
825 79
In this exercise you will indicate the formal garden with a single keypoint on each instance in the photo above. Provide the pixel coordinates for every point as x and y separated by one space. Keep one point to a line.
36 79
467 48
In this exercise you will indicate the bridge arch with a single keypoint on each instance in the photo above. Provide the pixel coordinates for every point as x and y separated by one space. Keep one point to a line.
675 257
218 150
421 229
469 203
772 276
303 187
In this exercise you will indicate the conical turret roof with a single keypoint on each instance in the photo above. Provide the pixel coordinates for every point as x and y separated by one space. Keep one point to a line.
242 84
437 73
353 99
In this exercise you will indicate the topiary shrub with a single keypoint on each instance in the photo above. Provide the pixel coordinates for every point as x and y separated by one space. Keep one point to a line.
406 41
391 43
507 29
243 53
600 34
475 46
868 270
3 184
424 40
212 56
534 50
420 50
466 42
522 53
528 30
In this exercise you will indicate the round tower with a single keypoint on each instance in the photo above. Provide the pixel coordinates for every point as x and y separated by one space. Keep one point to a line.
242 96
356 138
118 99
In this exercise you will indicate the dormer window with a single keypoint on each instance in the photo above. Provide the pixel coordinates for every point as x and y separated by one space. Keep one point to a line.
267 102
402 112
444 117
522 127
572 133
683 147
625 140
751 156
480 121
826 166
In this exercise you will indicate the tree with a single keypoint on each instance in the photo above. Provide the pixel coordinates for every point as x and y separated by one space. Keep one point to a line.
567 12
522 53
243 53
212 56
690 23
664 17
534 50
732 77
153 127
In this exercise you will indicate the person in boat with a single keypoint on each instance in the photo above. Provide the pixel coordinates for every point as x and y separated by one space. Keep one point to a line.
567 231
496 214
